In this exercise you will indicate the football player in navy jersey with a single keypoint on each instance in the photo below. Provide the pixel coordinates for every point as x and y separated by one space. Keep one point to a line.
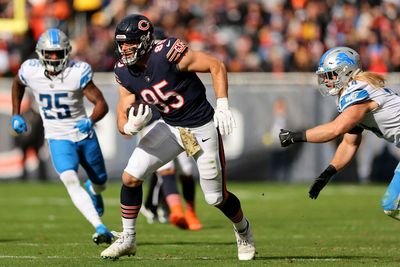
164 75
163 202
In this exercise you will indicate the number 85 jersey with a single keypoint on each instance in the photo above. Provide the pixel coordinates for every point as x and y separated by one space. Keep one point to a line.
179 96
60 98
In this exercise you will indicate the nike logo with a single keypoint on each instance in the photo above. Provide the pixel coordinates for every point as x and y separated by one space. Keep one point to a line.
203 140
169 41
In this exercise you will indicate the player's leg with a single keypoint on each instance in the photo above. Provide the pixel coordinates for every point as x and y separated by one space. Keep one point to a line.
154 149
171 193
184 166
149 209
65 160
391 198
211 164
91 159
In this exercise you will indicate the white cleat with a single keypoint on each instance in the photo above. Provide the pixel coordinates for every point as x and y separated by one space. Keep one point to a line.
125 245
245 243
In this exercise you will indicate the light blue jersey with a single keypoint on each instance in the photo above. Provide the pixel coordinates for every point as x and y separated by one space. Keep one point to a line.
384 121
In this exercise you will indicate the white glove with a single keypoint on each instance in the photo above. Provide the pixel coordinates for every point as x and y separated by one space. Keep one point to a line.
136 123
223 118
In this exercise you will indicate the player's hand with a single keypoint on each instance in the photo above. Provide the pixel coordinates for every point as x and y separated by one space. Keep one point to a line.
137 122
288 138
321 181
84 125
223 118
317 186
18 124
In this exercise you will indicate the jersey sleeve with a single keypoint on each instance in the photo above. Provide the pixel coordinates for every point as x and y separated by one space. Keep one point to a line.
27 69
86 74
356 93
171 49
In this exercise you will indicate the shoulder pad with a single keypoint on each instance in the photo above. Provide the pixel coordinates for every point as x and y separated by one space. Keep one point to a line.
85 71
353 97
172 48
28 68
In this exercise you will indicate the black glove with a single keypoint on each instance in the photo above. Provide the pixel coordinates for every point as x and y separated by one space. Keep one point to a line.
321 181
287 137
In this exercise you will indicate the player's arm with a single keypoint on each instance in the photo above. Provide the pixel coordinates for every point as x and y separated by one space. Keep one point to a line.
342 124
95 96
18 90
126 99
197 61
346 150
18 123
344 154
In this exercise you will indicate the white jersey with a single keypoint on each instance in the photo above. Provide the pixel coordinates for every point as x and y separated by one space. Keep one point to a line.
60 99
384 121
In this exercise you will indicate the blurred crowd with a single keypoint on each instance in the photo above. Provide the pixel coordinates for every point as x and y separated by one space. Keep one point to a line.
248 35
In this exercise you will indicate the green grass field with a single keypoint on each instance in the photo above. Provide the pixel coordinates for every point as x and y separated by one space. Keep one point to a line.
39 226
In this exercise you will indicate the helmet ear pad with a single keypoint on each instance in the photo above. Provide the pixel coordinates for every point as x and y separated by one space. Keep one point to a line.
134 28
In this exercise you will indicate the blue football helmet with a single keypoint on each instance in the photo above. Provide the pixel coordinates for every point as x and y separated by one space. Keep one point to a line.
53 41
336 68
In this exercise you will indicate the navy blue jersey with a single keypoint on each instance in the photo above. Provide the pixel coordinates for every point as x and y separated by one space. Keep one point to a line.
179 96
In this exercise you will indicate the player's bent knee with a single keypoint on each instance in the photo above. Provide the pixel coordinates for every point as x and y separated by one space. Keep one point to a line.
214 199
70 178
130 180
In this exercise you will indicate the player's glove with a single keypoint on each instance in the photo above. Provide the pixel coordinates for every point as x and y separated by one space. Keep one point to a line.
223 118
288 137
18 124
321 181
84 125
137 122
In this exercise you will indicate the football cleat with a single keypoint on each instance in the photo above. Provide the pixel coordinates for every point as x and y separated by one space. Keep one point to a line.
125 245
102 235
245 243
178 220
150 216
96 199
192 221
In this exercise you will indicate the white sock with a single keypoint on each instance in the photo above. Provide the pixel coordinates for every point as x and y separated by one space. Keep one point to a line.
129 225
241 226
80 197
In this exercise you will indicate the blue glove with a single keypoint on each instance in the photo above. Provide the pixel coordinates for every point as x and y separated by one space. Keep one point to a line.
84 125
18 124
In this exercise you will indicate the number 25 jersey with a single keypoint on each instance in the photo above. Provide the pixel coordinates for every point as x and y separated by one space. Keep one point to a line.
179 96
60 99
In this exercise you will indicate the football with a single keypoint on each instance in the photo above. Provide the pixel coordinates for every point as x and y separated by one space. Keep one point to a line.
136 106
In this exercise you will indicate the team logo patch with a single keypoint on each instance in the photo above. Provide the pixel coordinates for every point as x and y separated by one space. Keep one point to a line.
143 25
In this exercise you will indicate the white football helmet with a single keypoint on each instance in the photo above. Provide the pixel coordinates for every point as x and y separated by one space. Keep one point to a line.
336 68
50 42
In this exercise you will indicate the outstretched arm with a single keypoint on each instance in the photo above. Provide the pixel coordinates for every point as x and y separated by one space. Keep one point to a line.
341 125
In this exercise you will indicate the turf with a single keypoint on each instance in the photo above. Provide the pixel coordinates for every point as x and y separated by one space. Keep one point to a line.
39 226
